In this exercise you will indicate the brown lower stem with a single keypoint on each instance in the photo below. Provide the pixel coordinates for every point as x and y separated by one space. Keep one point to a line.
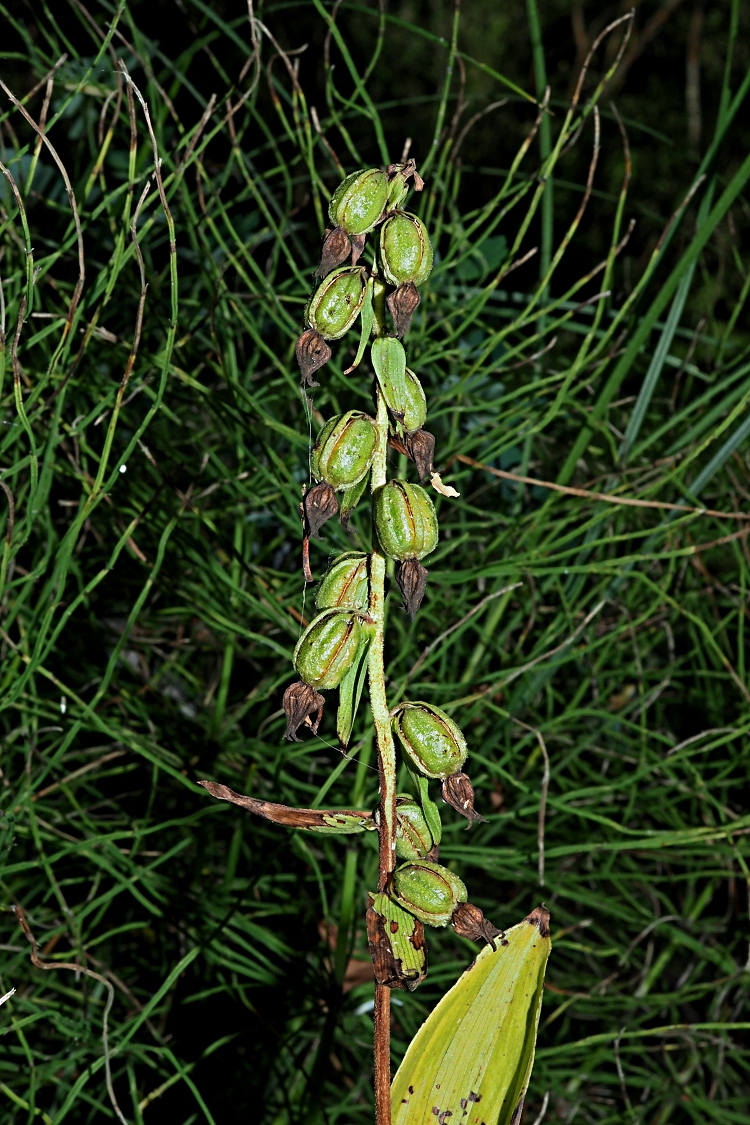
382 1021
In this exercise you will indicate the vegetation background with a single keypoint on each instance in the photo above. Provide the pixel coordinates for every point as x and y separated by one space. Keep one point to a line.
154 445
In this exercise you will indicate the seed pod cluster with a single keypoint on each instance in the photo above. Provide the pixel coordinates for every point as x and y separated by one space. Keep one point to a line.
334 651
330 652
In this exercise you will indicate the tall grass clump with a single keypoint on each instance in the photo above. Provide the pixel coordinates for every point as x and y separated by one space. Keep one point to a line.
161 209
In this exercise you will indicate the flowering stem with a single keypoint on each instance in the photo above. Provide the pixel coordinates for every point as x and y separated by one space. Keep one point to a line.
386 772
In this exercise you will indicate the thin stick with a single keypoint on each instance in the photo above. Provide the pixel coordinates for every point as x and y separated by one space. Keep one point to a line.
76 968
544 790
444 635
73 206
607 497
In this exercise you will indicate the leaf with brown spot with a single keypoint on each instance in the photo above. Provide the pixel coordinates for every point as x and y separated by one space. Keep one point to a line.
399 955
477 1046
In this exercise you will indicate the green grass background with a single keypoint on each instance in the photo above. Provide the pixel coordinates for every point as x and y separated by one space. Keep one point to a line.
151 587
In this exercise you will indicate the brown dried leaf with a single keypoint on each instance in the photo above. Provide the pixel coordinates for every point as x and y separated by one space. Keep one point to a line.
284 814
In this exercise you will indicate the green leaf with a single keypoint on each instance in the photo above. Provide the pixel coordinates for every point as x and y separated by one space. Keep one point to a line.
429 808
350 497
471 1060
350 693
366 320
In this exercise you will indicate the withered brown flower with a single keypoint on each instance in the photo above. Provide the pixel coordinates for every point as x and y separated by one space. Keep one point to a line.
320 505
459 793
412 579
420 446
468 921
301 701
402 303
312 352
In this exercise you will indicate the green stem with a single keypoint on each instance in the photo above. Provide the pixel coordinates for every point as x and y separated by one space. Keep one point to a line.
386 765
376 674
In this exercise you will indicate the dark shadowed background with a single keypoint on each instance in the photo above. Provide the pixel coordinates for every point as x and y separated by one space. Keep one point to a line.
152 593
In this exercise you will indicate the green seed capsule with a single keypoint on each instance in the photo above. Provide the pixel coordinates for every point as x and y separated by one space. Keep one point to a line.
405 250
405 520
344 450
415 403
358 201
401 388
337 302
346 585
413 837
429 891
328 647
431 739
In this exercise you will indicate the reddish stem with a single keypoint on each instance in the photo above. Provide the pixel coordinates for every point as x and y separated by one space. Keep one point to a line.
382 1037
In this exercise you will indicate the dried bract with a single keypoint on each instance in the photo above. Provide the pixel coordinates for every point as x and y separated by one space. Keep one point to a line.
301 701
320 505
336 249
358 246
312 352
420 446
412 580
402 304
459 793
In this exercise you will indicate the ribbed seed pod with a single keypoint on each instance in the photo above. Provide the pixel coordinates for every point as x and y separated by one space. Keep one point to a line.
414 403
346 585
328 647
405 250
405 520
358 201
413 837
401 388
430 738
344 449
337 302
429 891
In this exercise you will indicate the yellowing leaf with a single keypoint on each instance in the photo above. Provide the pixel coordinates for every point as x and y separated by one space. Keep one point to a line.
470 1061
